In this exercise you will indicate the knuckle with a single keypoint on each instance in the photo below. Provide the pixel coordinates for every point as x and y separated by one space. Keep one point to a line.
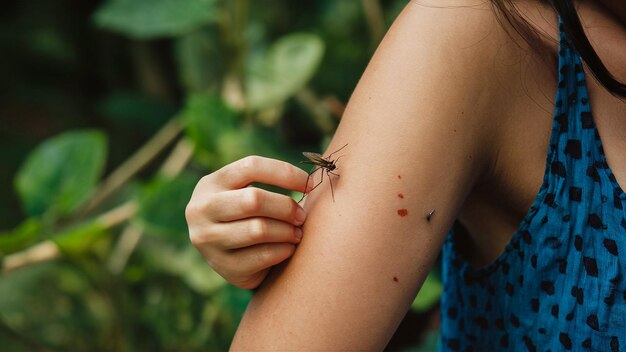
288 170
207 181
195 239
200 201
257 229
263 255
204 238
190 212
252 201
249 163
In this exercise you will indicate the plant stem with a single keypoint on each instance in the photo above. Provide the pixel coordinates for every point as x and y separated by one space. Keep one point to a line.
132 233
233 86
133 165
49 250
124 248
178 158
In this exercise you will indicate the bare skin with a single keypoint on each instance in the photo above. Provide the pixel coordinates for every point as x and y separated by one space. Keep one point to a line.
449 108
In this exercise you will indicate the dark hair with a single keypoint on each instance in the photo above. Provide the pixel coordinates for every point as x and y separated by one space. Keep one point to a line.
574 30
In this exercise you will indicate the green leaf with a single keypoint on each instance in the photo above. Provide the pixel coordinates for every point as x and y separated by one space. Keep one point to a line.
207 118
149 19
78 239
288 66
24 235
162 206
429 294
201 63
60 174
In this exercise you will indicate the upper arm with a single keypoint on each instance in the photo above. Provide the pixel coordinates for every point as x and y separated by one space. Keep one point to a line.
418 124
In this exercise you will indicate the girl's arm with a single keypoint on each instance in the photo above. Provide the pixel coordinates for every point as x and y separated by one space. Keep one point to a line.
419 128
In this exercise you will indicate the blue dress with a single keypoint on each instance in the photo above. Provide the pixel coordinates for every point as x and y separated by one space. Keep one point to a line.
560 283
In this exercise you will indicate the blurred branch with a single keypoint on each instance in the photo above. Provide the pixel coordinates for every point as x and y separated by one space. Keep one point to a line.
233 89
130 236
320 114
49 250
38 253
124 247
178 158
375 19
134 164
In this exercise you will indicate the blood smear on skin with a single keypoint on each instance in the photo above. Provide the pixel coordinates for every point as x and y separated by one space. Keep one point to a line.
400 195
403 212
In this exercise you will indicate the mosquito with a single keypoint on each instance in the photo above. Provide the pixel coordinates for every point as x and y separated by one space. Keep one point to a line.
324 163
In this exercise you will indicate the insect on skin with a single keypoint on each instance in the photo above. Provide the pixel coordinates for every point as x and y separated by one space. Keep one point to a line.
324 163
430 215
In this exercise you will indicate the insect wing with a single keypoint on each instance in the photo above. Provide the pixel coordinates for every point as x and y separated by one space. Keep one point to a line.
315 158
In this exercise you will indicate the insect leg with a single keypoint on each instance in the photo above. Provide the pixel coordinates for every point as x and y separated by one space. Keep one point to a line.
307 182
331 154
331 185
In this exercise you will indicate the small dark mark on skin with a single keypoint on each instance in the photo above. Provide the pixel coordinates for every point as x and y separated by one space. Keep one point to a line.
403 212
399 177
430 215
400 195
395 278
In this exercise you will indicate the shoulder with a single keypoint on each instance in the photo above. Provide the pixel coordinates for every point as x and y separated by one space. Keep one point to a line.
459 57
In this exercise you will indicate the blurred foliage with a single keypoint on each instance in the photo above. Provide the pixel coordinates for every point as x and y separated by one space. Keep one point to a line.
110 112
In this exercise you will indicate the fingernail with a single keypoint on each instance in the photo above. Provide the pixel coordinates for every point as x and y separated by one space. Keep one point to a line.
300 216
298 233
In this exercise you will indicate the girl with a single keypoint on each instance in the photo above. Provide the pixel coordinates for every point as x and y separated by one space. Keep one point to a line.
473 115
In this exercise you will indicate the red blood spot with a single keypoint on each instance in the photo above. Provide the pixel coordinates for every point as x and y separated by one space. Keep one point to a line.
403 212
395 279
400 195
399 177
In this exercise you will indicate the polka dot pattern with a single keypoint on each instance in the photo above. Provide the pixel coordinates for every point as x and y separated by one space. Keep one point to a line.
559 284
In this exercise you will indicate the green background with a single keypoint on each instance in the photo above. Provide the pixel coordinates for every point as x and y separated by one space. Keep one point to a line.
111 111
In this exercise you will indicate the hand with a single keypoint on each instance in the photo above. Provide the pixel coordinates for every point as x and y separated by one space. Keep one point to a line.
241 230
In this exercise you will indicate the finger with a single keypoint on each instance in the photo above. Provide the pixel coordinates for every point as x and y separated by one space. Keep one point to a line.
253 259
251 282
263 170
248 232
254 202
